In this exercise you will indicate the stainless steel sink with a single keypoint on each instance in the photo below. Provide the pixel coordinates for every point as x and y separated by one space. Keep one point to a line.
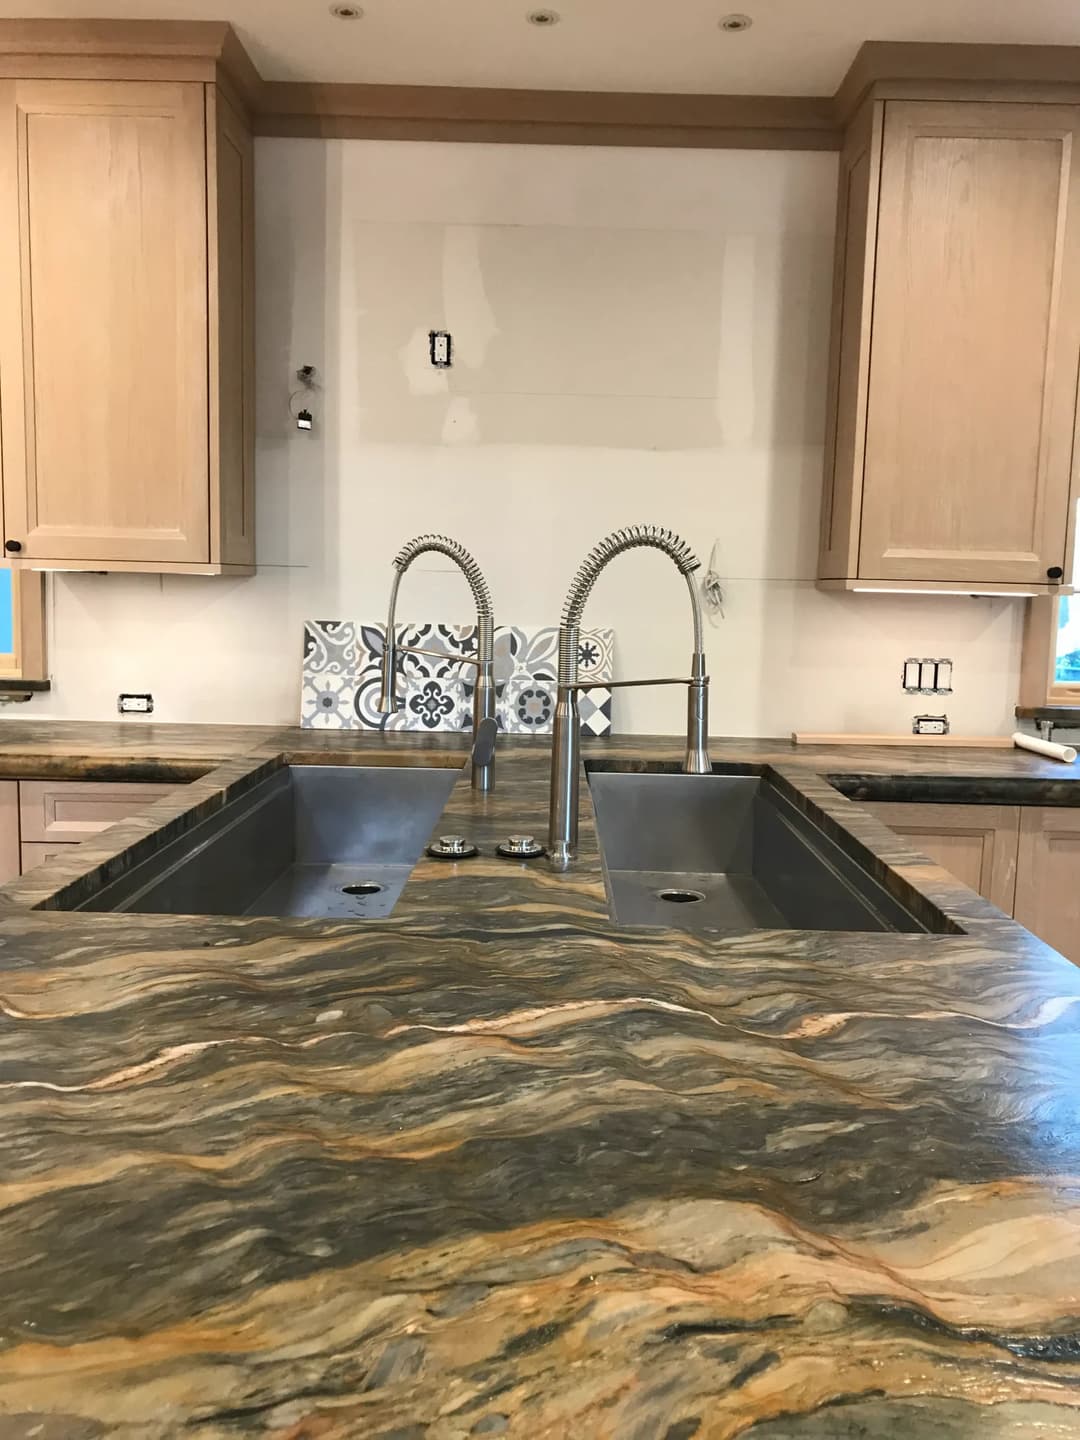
728 852
317 840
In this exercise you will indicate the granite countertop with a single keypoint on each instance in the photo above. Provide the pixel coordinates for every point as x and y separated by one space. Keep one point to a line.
497 1166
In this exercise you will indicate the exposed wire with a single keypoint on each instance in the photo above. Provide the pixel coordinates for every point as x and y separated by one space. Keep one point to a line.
712 589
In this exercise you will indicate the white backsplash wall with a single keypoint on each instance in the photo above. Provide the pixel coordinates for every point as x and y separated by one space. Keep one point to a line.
639 335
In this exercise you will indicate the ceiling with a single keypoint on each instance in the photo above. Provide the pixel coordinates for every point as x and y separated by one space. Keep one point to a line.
795 46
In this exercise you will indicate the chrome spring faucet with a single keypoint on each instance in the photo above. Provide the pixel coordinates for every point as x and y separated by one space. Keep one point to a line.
566 746
484 724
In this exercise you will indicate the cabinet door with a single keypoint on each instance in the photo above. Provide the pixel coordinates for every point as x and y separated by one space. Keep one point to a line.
976 843
975 343
103 320
1048 877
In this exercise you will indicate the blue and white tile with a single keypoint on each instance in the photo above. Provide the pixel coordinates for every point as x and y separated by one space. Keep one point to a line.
342 677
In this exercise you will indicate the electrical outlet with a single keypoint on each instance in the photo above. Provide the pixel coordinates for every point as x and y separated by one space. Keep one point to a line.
441 346
930 725
135 704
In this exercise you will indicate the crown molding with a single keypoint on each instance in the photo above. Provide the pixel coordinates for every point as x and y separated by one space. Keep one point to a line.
211 51
207 50
901 69
555 117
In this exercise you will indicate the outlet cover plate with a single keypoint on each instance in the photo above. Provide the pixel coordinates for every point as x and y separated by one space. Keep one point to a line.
135 704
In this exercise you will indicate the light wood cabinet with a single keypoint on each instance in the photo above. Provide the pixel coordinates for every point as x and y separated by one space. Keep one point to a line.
71 810
956 345
36 853
975 843
42 818
1048 877
126 326
9 831
1023 859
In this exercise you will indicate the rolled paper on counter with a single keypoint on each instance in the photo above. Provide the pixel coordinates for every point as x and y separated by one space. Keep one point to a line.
1045 747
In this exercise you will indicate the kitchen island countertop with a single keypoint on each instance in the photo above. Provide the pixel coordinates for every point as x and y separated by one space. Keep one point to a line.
498 1166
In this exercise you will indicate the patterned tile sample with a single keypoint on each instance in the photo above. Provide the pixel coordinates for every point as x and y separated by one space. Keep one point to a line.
342 673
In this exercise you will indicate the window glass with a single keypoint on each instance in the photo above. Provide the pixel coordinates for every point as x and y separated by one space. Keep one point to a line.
1067 666
7 632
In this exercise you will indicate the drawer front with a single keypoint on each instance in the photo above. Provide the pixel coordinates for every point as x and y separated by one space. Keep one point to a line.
37 854
71 810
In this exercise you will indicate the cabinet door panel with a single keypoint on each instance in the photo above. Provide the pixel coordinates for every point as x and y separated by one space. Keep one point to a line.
67 810
104 344
976 843
1048 878
975 343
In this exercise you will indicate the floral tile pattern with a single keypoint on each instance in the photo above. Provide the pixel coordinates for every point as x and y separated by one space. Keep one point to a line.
342 676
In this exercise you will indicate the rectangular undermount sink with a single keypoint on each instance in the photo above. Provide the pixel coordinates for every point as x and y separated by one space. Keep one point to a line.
333 841
729 852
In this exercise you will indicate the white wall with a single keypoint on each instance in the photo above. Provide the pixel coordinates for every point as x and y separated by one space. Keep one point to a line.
640 335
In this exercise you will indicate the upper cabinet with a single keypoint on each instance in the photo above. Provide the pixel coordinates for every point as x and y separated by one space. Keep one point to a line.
956 344
126 325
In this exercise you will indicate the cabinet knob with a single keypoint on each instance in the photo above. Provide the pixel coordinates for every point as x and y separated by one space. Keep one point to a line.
1055 572
13 546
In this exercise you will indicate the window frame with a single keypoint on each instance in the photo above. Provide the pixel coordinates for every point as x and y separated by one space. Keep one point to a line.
27 659
1038 685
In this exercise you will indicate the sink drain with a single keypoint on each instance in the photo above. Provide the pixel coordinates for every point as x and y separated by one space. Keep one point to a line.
365 887
680 897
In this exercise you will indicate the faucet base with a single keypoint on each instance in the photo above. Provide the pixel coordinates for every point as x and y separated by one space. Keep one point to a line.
565 763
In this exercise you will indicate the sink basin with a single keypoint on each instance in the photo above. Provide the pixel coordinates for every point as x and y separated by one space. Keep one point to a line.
334 841
728 852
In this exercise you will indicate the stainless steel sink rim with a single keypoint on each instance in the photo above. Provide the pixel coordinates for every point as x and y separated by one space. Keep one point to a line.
309 841
732 853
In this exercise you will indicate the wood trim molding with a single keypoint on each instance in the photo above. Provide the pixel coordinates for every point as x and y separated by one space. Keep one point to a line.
28 658
206 50
211 51
555 117
1038 686
911 69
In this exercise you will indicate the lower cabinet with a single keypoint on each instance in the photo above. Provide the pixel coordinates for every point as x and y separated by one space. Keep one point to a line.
66 811
976 843
35 854
9 831
42 818
1048 877
1023 859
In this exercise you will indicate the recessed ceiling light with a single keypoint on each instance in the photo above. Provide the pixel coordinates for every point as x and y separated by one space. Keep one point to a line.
346 12
736 22
543 18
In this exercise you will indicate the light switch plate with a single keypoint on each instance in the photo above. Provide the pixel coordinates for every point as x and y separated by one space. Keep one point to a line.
927 677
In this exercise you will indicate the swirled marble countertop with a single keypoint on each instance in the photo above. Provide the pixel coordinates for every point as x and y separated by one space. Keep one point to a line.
496 1166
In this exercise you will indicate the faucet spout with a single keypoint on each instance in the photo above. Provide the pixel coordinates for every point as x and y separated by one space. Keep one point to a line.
566 746
484 724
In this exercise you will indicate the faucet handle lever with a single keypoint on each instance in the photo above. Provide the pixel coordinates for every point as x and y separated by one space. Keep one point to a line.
483 750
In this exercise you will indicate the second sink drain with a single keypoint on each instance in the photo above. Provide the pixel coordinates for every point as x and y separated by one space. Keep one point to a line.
365 887
680 897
